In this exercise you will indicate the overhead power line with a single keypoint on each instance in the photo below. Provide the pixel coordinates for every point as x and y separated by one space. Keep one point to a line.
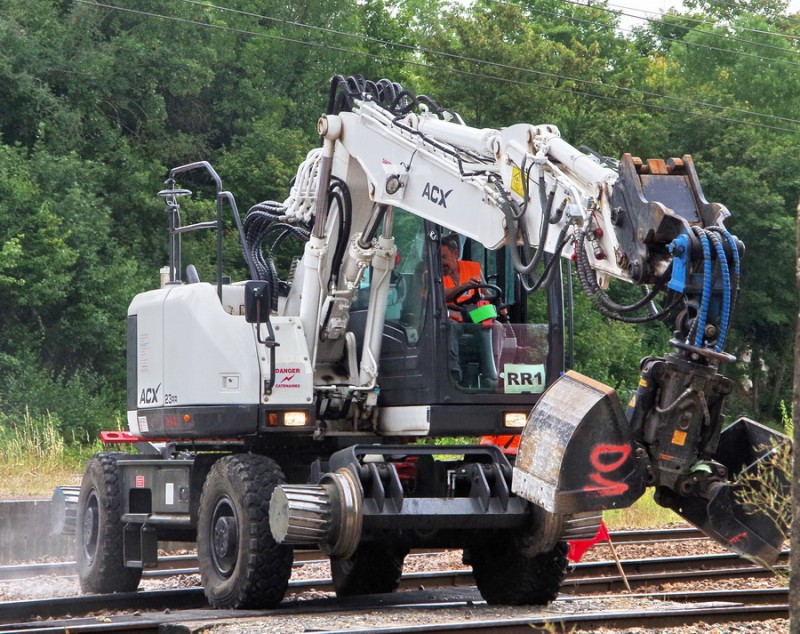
644 93
728 38
658 16
321 45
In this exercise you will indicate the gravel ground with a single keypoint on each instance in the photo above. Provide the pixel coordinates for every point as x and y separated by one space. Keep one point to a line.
42 587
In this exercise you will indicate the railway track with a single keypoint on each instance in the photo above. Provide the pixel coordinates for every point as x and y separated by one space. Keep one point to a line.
444 589
583 579
183 616
187 564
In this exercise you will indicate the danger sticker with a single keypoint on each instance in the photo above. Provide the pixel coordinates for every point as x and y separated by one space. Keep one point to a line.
288 378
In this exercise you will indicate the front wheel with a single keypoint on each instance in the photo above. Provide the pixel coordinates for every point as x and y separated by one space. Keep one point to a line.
99 554
373 569
505 576
241 565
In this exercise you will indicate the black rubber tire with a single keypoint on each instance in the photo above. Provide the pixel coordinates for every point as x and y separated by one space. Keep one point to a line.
505 577
241 565
373 569
99 530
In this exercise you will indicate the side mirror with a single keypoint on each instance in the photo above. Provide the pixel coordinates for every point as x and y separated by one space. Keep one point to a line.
257 301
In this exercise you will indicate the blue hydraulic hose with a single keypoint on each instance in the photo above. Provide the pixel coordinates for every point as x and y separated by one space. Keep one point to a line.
726 289
736 269
702 316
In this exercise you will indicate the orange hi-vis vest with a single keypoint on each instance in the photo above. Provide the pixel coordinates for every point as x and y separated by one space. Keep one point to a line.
466 270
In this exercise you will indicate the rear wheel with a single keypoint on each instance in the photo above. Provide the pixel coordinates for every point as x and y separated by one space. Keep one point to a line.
505 576
241 565
99 554
373 569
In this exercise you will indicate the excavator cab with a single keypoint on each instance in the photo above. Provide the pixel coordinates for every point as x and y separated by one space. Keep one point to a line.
473 367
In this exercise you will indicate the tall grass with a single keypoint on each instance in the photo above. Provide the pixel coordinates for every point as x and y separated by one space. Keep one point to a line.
34 457
31 441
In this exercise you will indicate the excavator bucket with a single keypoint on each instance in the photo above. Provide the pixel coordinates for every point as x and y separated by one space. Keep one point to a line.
751 453
576 452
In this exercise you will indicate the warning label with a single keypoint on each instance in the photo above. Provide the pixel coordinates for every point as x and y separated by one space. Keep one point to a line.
286 378
516 181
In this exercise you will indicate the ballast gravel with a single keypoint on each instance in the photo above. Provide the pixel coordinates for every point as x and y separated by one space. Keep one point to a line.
52 586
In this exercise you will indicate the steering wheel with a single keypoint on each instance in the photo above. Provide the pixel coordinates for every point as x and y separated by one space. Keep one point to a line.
493 295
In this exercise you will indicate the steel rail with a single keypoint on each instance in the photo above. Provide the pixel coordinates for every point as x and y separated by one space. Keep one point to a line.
666 617
582 579
728 606
187 563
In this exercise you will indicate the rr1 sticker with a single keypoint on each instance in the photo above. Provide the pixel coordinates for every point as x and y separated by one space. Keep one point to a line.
523 378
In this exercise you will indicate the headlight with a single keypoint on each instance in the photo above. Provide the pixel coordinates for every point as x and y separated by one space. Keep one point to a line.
515 419
294 419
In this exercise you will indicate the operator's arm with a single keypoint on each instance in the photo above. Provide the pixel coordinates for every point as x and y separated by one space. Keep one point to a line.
452 293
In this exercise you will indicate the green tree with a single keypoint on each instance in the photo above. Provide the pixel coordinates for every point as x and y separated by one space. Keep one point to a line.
738 127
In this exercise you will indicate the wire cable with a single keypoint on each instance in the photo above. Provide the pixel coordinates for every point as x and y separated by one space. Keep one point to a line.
657 18
531 71
466 73
686 17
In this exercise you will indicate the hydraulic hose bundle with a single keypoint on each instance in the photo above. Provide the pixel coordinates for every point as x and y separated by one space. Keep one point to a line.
707 270
608 307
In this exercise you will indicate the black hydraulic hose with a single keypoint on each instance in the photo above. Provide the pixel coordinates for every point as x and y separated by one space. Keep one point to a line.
547 275
333 93
603 303
261 221
585 267
556 217
344 92
341 194
513 221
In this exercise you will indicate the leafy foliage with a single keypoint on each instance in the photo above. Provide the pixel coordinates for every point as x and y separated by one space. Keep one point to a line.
100 102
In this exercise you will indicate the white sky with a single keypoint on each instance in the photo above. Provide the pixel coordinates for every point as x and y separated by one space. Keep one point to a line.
652 8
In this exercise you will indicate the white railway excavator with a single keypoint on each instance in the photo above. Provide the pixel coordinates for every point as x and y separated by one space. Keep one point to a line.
288 410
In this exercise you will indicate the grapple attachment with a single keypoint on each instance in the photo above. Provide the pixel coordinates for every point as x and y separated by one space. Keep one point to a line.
577 453
748 451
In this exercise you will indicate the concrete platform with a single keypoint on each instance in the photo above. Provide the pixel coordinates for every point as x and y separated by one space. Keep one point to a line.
25 533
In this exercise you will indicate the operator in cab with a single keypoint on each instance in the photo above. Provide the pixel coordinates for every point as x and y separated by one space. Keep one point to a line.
464 338
459 275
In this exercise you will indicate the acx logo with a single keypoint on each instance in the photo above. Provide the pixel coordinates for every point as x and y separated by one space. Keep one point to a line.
436 194
149 395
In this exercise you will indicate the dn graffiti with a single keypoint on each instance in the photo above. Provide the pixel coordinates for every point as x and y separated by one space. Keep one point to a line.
605 460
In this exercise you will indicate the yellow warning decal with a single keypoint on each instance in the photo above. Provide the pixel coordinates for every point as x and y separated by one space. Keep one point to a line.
643 382
632 402
679 438
516 181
